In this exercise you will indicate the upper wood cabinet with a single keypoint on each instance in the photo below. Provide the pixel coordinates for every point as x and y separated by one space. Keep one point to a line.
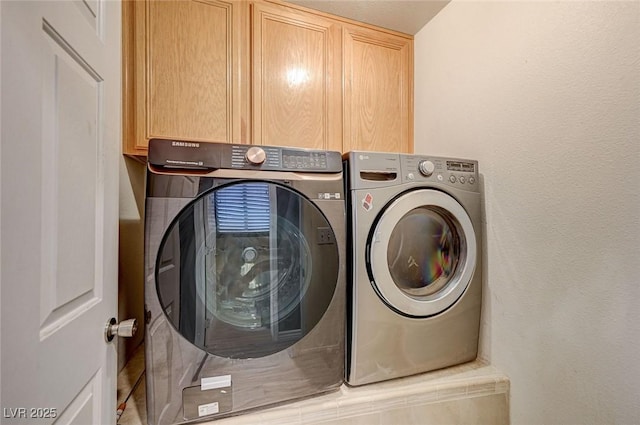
263 72
185 71
378 91
297 78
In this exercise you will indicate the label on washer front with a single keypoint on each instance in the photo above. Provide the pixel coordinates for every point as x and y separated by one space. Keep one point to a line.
367 202
210 383
208 409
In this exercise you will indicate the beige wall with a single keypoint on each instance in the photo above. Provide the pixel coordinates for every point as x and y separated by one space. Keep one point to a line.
130 264
546 95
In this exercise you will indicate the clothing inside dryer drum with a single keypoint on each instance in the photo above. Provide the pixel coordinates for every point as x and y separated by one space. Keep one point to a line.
241 272
423 252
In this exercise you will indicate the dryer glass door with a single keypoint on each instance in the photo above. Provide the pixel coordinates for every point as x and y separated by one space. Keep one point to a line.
422 253
254 274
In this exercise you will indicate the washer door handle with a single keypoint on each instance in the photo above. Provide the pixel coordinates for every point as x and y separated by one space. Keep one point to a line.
126 329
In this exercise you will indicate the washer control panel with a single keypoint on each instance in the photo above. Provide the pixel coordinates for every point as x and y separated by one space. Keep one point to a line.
283 159
252 156
178 154
460 173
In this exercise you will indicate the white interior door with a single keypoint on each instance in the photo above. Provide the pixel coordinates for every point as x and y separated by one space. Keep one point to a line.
60 82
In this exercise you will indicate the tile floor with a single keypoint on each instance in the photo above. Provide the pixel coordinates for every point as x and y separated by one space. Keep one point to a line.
131 388
472 393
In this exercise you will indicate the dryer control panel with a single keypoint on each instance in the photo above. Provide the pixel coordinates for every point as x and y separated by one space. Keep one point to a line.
461 173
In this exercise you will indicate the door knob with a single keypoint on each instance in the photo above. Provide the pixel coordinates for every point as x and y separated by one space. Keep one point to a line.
126 328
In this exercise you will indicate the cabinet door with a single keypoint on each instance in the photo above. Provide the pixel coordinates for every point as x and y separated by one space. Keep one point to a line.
188 70
378 98
296 80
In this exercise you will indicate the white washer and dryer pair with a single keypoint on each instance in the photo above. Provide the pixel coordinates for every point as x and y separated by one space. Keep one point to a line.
414 297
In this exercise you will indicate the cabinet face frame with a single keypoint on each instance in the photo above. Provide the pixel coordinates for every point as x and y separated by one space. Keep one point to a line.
140 117
297 87
370 122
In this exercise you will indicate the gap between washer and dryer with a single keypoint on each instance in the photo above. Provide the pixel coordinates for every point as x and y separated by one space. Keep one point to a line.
471 393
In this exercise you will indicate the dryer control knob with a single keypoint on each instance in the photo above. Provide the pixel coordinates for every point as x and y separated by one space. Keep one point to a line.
255 155
426 168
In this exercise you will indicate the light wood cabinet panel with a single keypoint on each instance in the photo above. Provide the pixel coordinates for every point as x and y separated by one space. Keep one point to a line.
263 72
188 70
378 96
296 80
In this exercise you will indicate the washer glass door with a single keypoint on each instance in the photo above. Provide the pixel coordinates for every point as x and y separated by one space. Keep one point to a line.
253 267
421 253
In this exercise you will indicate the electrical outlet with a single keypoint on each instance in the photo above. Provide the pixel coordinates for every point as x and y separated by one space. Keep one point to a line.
325 236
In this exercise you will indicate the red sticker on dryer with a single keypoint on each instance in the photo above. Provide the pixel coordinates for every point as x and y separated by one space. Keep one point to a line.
367 202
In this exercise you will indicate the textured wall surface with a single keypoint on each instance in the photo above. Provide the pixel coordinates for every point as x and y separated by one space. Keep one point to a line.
131 254
546 95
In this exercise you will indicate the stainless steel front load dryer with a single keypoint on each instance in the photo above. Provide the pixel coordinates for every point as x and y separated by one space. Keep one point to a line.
245 277
415 282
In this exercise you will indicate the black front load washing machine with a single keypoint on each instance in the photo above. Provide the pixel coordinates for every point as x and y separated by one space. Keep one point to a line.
245 277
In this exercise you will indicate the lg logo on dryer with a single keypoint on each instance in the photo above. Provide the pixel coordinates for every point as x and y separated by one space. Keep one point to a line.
185 144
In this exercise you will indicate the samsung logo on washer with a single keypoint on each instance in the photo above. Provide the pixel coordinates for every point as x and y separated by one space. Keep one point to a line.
185 144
